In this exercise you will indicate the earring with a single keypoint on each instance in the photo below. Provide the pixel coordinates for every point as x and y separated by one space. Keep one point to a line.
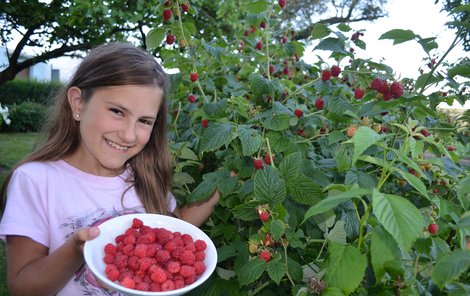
77 115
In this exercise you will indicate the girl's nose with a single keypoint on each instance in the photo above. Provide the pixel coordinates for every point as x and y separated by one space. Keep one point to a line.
128 133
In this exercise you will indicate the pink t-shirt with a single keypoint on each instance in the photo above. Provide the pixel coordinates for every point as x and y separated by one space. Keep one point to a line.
49 201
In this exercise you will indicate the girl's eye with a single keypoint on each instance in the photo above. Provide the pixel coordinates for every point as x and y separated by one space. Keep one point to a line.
116 111
147 122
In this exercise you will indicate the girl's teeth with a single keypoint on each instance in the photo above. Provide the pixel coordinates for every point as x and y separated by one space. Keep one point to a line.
117 146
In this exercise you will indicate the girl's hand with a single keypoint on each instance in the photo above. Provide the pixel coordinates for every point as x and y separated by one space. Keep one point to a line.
82 235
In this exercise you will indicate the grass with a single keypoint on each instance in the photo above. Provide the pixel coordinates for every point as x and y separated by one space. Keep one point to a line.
12 149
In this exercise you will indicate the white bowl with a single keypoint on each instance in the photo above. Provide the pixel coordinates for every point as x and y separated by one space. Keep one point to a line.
94 249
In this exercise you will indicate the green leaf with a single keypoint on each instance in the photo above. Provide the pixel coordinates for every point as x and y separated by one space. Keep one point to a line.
346 267
215 109
363 139
215 136
427 79
251 271
337 234
450 267
399 217
462 69
203 191
155 37
290 165
277 229
383 248
320 31
333 201
225 252
260 85
277 118
276 271
331 44
303 189
398 35
245 211
250 138
268 186
413 181
257 6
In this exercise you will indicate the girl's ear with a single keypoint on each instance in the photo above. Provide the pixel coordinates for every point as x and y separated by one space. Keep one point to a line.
74 96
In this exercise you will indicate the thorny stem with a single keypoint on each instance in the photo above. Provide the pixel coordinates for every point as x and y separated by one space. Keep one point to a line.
287 265
176 118
270 153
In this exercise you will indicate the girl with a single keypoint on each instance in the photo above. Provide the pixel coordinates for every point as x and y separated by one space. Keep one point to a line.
105 155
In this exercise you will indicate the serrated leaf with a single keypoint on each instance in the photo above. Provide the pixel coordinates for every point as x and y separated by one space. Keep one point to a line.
346 267
187 153
215 109
224 252
363 139
260 85
332 201
399 217
203 191
414 181
277 229
250 138
383 248
450 266
276 271
303 189
320 31
251 271
337 234
331 44
215 136
245 211
257 6
277 118
155 37
290 165
398 35
269 187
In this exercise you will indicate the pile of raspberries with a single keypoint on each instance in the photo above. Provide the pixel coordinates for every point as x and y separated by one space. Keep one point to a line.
154 259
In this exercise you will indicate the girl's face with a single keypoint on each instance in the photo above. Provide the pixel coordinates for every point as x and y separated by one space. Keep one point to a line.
115 125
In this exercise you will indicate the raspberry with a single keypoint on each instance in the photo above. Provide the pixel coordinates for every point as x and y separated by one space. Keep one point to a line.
258 163
190 279
187 271
351 130
433 228
387 96
358 93
424 132
108 258
167 14
162 256
282 3
137 223
112 272
199 267
129 240
187 238
380 85
264 216
268 241
199 256
142 286
325 75
145 229
396 89
127 249
133 262
158 275
319 103
191 98
299 113
173 266
185 7
170 39
170 246
110 249
267 158
176 254
204 123
168 285
140 250
187 257
265 255
335 71
259 45
179 283
128 282
193 76
272 69
200 245
145 263
451 148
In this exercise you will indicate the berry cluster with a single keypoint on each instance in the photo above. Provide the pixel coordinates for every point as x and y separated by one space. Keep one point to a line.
258 162
154 259
394 90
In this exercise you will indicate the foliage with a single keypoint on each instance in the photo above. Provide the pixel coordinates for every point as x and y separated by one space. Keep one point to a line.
19 90
460 13
336 172
53 29
25 117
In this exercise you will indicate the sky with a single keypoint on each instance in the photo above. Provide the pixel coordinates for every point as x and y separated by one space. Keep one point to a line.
423 17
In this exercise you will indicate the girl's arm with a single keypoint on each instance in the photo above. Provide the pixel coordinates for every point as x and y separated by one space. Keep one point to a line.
32 271
198 213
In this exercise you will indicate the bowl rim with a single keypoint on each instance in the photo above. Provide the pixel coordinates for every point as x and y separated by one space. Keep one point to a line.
148 218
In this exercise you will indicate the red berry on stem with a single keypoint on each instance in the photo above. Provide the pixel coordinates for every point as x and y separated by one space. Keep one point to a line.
396 89
299 113
433 228
358 93
282 3
204 123
335 71
167 14
259 45
451 148
319 103
267 158
193 76
326 75
170 38
191 98
264 216
185 7
258 163
265 255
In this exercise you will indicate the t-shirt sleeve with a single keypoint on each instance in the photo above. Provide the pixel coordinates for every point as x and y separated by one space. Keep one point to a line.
171 202
25 212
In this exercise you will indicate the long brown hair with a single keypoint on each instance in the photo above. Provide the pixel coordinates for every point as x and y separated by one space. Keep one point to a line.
112 64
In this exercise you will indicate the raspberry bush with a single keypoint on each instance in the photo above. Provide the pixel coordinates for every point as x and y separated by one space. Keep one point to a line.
329 173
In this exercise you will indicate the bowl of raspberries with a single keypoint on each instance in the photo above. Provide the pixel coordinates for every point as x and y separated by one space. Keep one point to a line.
150 254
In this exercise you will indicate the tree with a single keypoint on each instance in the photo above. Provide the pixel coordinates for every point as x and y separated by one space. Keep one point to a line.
460 11
67 28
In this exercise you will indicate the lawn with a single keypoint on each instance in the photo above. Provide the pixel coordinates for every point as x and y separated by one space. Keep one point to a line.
13 147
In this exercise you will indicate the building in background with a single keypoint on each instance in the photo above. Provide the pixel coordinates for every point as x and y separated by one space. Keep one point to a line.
39 72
